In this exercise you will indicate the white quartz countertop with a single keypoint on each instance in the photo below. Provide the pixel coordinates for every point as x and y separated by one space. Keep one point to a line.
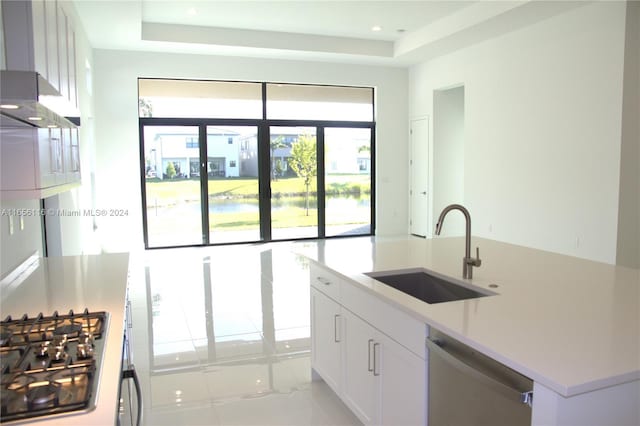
96 282
570 324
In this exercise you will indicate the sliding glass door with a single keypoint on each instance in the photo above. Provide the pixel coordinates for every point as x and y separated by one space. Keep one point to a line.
347 181
231 162
233 185
172 186
294 189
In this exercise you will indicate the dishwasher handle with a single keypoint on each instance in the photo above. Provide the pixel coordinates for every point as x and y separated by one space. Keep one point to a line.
435 348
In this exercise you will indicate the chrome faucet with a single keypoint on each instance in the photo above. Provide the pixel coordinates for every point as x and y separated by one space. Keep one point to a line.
468 262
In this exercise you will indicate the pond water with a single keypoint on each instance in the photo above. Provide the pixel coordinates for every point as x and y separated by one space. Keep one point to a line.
239 206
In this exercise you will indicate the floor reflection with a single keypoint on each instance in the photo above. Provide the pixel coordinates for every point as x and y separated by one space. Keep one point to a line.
220 328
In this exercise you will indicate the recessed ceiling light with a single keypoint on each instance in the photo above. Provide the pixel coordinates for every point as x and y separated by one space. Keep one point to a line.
376 28
52 126
9 106
192 11
34 118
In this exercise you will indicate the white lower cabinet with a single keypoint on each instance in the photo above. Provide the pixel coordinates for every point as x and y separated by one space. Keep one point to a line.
361 391
402 382
384 383
380 380
325 338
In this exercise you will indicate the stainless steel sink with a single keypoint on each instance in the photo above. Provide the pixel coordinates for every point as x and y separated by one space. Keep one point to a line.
427 286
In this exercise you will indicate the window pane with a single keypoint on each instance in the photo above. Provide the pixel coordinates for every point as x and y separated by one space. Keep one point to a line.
172 188
306 102
199 99
347 154
232 169
294 211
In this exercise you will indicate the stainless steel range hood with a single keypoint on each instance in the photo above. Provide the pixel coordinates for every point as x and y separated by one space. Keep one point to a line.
28 100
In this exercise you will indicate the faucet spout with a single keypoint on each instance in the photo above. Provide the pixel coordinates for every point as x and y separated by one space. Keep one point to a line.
468 262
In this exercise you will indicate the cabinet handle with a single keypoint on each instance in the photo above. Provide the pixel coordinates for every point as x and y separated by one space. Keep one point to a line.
335 328
376 371
128 314
369 367
323 280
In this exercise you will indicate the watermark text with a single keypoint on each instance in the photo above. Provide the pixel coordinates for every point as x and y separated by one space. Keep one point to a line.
65 212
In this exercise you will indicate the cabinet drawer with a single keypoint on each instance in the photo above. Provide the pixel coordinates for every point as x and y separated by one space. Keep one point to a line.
406 330
326 282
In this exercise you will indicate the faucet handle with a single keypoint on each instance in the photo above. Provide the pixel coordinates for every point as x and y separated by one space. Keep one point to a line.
475 261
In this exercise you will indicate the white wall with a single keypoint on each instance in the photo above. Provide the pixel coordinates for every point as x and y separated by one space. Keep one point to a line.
117 151
448 157
16 247
542 129
628 253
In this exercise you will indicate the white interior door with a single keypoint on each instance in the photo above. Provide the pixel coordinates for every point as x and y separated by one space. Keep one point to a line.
419 164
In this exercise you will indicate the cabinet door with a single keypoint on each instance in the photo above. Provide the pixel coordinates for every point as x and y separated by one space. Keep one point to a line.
38 19
73 75
325 338
71 154
46 166
63 52
53 62
360 390
73 172
402 384
16 158
59 138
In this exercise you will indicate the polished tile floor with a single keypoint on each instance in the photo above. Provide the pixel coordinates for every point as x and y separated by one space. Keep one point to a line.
221 337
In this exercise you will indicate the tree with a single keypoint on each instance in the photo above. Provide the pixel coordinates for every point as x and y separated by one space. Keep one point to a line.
145 107
276 143
304 162
279 168
171 170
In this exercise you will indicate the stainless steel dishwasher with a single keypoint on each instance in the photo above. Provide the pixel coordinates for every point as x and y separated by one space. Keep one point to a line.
467 388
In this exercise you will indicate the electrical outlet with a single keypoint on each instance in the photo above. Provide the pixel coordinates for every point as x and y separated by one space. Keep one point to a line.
10 225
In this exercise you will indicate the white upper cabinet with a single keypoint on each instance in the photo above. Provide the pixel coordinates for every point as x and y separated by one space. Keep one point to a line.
39 36
39 157
38 162
51 44
39 22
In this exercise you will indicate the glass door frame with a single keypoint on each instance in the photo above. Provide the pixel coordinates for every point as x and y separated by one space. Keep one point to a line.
264 170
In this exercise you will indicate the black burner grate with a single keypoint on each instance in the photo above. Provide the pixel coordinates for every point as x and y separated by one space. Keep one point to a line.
49 363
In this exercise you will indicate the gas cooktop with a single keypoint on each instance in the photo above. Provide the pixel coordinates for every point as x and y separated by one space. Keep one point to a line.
50 364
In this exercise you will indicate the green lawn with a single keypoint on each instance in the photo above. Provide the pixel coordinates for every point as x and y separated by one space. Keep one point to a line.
286 218
178 193
167 192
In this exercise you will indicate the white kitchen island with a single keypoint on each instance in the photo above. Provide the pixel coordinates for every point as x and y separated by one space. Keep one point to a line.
98 283
569 324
